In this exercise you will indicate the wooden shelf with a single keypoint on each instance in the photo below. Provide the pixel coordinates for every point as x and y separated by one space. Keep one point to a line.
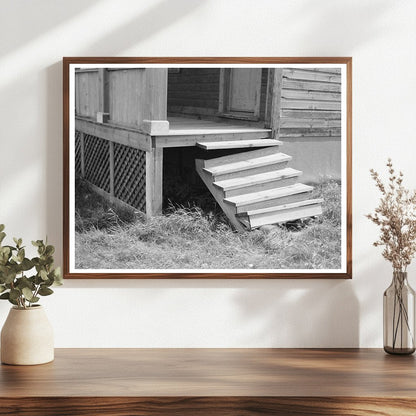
212 382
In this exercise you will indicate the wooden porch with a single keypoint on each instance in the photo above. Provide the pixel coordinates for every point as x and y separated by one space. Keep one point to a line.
187 131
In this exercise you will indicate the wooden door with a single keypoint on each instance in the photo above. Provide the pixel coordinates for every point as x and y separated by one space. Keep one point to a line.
240 92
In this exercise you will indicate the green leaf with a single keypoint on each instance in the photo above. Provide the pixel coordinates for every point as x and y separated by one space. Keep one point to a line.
2 226
58 280
24 282
27 293
2 236
43 274
9 277
26 264
5 295
15 294
37 243
45 291
2 288
49 250
21 255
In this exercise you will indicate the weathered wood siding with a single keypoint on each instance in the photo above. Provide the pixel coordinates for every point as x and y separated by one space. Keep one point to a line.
86 92
137 94
310 121
311 103
130 95
126 87
194 91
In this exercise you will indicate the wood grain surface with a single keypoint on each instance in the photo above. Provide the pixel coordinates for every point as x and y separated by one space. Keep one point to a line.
212 381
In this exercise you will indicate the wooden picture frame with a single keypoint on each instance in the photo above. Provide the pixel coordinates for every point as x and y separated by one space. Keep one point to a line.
109 114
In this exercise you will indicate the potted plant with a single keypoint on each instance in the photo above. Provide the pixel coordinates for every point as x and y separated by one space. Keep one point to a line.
396 217
27 336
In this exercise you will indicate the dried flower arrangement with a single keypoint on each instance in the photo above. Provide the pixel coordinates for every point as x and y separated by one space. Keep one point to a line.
396 217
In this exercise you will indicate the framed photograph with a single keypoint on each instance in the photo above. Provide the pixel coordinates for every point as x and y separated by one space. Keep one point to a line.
207 167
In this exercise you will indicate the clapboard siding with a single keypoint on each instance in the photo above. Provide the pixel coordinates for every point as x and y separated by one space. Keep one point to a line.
194 90
86 93
310 103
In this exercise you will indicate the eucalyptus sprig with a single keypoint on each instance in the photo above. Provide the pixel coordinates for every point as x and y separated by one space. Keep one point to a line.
16 285
396 217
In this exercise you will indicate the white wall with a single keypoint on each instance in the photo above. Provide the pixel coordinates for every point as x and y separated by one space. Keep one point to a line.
380 35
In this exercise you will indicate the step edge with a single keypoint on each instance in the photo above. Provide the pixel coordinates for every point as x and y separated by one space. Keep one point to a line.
294 174
298 190
282 207
214 172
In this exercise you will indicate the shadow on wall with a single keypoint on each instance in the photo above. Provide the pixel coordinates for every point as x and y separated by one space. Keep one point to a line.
302 314
337 18
42 16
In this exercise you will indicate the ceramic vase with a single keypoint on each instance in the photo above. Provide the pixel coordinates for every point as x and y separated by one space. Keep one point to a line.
27 337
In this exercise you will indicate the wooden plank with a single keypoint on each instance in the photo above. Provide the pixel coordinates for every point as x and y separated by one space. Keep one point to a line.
310 86
242 157
238 144
263 196
310 132
116 134
273 101
308 123
310 105
325 70
310 95
154 101
231 184
218 372
202 406
103 95
311 114
154 182
192 139
261 182
281 216
248 165
301 74
126 95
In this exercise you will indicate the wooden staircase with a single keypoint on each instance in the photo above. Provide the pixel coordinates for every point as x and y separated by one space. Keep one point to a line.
256 187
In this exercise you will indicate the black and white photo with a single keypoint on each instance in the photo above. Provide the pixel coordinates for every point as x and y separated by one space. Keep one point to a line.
212 169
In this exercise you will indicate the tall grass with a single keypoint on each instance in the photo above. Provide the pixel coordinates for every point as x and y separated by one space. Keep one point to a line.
189 238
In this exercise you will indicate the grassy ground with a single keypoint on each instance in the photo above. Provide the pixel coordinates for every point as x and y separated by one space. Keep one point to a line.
189 238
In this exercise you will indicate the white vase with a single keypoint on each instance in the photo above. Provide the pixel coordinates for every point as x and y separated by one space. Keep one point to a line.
27 337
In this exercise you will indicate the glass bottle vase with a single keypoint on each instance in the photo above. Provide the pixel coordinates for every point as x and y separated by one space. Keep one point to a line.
399 316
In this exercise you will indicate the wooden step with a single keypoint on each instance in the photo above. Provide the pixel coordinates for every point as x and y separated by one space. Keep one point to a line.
270 197
259 182
251 166
240 157
282 213
238 144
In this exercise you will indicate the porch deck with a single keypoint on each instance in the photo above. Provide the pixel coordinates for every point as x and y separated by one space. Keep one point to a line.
185 131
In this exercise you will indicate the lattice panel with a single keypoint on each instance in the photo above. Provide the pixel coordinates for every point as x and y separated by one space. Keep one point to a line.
78 153
130 176
97 161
